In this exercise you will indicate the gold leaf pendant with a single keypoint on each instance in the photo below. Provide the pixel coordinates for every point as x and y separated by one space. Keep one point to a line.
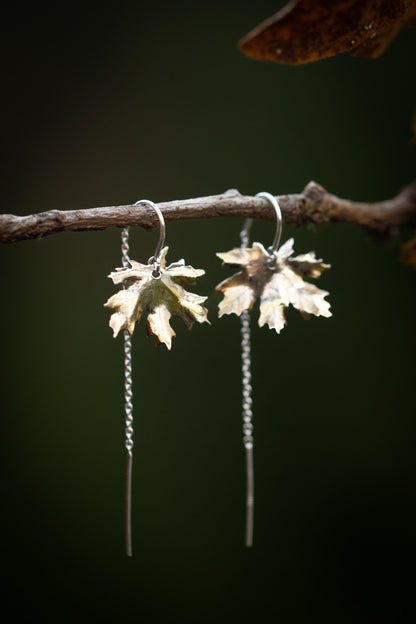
160 294
277 280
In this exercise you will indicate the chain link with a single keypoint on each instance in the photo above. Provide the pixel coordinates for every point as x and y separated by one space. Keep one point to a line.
247 403
128 380
128 392
128 402
125 247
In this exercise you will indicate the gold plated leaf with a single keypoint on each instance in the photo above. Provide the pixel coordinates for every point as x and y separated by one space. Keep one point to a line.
276 281
161 297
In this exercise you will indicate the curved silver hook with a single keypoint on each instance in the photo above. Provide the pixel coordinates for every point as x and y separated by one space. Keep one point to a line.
161 242
244 234
273 248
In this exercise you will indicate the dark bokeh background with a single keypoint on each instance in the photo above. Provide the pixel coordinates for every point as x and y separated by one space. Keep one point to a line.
111 105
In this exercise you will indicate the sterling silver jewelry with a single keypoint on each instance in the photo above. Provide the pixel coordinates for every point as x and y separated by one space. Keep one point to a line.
247 401
156 291
128 379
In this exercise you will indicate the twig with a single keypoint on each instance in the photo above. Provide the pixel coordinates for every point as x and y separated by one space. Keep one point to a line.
313 205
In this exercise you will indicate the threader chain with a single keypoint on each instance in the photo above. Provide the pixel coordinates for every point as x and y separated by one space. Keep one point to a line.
128 403
247 403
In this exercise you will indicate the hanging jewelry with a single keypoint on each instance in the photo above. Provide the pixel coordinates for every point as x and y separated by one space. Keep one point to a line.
158 290
277 279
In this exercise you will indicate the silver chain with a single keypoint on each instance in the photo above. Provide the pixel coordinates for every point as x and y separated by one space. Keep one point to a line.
247 403
125 247
128 382
128 402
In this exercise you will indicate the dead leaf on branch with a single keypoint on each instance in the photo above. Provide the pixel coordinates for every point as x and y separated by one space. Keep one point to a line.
408 255
161 297
309 30
277 285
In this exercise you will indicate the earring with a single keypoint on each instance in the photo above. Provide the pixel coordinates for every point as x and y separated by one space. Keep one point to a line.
277 279
158 290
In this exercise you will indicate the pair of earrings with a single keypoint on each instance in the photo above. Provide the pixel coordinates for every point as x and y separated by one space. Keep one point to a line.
271 275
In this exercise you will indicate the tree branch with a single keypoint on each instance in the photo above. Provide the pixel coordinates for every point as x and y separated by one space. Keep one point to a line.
313 205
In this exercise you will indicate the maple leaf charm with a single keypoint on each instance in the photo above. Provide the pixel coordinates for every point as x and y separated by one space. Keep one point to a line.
277 280
162 296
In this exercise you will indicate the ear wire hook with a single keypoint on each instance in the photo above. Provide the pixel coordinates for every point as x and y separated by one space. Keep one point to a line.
156 256
244 234
273 248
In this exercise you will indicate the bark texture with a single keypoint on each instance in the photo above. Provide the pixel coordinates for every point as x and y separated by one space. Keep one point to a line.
313 205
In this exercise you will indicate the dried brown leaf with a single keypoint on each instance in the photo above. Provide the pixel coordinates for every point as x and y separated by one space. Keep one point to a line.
408 255
276 285
160 297
309 30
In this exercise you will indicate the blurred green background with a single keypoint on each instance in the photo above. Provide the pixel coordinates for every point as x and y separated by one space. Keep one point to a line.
107 105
